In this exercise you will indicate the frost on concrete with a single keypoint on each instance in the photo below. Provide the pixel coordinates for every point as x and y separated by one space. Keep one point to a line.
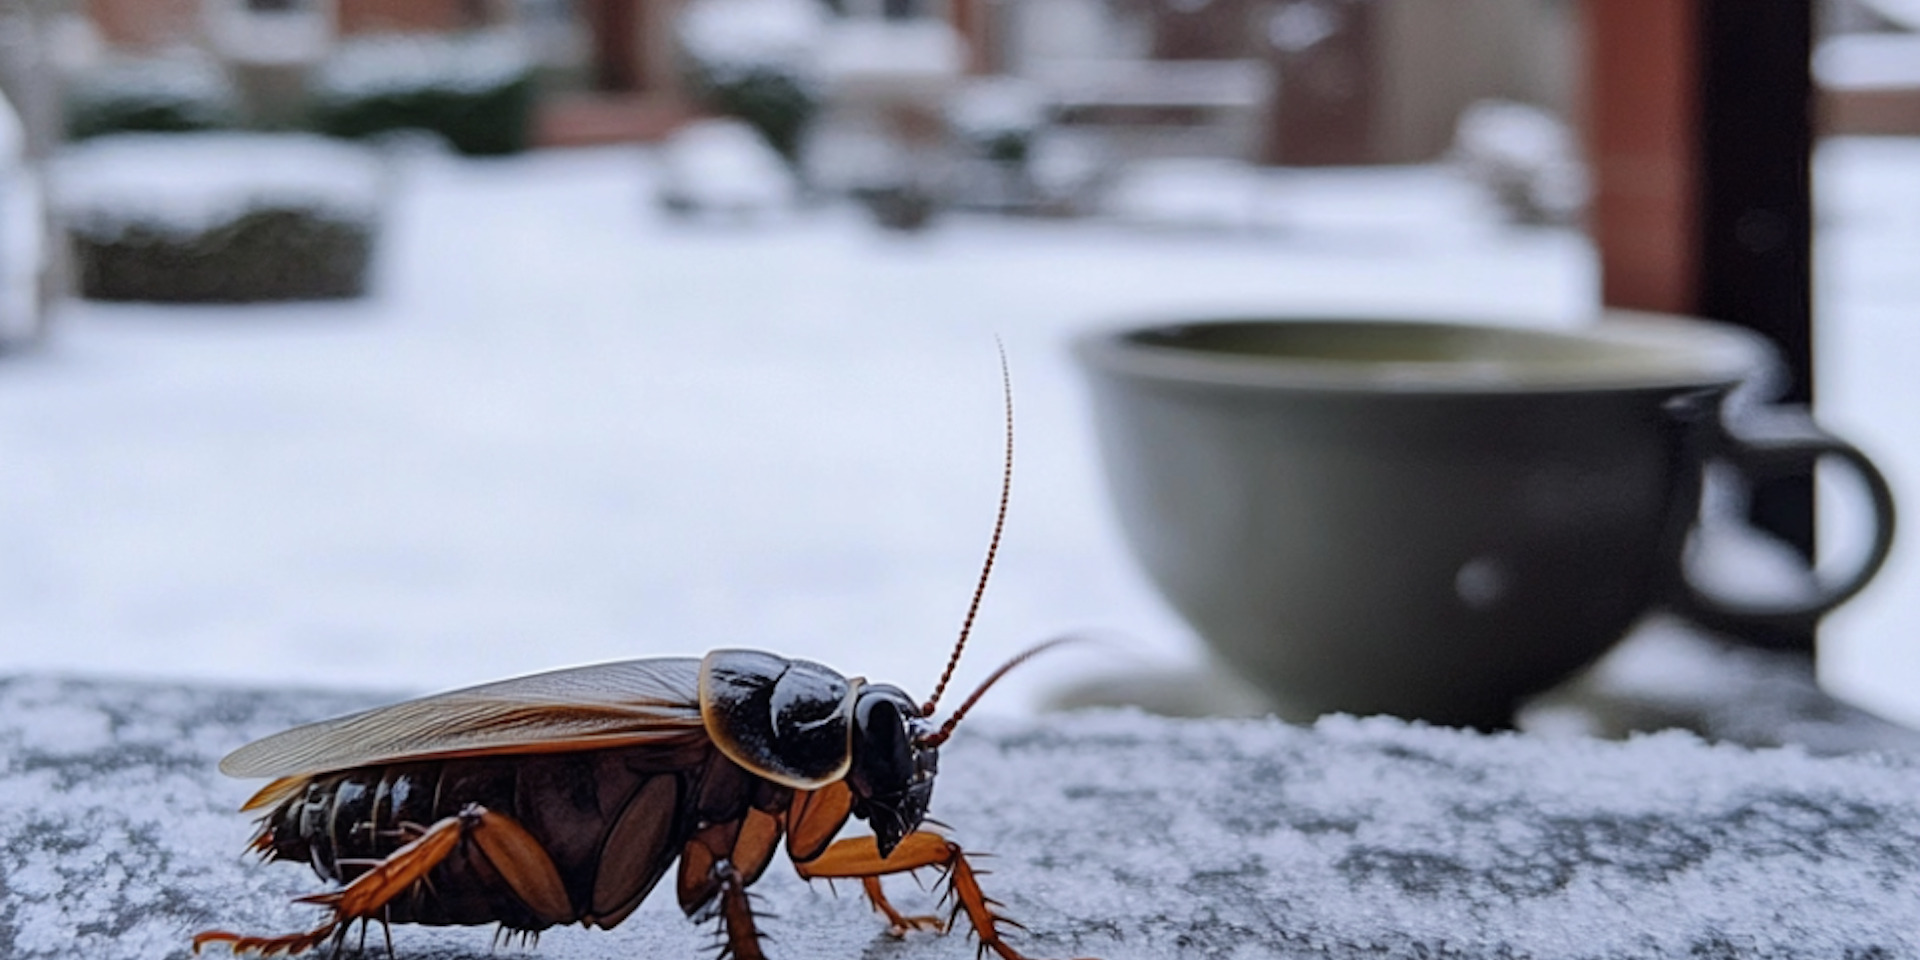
1116 835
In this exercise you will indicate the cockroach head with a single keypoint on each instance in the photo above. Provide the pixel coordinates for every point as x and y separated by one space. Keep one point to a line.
894 763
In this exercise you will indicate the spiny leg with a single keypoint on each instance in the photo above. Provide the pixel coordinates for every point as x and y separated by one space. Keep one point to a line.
365 897
514 853
860 857
740 937
898 923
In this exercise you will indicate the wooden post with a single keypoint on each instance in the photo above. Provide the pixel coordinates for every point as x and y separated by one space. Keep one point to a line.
973 20
615 26
1642 115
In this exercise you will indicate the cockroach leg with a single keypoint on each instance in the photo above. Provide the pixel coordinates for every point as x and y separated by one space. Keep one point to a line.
860 857
740 936
513 852
898 923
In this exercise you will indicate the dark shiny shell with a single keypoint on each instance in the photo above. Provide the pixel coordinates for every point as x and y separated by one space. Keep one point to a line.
789 721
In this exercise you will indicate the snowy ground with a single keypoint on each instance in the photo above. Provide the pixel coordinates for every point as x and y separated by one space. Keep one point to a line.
1114 835
567 428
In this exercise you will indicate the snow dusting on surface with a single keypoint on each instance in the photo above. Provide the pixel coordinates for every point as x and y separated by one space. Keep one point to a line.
1113 834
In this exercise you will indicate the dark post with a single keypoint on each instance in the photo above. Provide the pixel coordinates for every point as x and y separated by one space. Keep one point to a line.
615 26
1756 97
1699 125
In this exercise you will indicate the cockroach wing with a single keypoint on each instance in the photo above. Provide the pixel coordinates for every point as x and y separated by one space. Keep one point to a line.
626 703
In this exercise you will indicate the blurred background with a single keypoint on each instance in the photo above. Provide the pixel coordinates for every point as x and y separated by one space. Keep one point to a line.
411 344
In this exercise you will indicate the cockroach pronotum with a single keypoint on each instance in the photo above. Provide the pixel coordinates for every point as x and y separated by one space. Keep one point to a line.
564 797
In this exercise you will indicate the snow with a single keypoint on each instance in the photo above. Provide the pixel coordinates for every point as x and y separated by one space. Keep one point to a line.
1868 61
187 184
1902 13
567 427
731 37
1526 154
397 65
998 106
1190 192
724 167
298 37
909 52
1867 295
1113 834
195 84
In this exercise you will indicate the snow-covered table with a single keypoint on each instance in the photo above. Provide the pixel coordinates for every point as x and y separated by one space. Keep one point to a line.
1117 835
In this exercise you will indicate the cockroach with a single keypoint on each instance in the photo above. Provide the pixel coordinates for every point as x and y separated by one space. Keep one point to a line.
565 797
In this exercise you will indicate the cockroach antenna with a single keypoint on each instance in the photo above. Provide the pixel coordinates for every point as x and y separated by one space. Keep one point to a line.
993 545
940 736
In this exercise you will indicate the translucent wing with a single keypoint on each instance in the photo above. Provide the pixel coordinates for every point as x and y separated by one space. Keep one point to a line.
625 703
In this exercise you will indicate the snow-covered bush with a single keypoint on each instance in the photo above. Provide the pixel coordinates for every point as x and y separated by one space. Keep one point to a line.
753 59
998 119
723 168
1526 157
219 217
159 94
476 91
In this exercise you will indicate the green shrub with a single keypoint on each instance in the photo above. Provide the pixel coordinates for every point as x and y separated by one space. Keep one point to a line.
219 217
775 101
477 93
752 59
159 95
264 253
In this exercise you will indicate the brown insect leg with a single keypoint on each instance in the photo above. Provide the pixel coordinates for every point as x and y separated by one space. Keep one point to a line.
512 850
898 923
860 857
523 863
742 937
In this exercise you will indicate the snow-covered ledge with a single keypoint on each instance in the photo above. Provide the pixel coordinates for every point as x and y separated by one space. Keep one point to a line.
1117 835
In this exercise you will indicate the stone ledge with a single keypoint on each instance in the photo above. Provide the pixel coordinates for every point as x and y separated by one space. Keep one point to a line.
1116 835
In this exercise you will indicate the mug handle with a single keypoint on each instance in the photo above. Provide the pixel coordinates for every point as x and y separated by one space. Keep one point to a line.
1786 442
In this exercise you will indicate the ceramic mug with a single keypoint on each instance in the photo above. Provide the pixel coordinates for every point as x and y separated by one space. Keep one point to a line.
1436 520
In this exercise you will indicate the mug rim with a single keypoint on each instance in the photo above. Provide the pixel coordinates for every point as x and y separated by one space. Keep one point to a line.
1687 352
